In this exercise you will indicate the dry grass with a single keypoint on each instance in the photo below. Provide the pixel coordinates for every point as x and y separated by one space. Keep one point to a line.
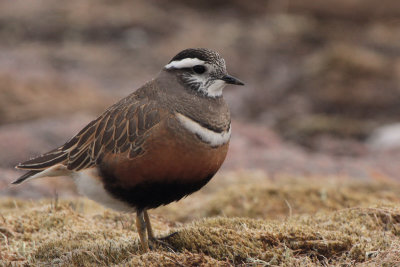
295 223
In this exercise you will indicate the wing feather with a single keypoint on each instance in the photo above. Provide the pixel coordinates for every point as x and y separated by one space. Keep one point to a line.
120 129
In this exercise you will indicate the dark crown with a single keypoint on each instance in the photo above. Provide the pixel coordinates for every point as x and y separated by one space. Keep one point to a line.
200 53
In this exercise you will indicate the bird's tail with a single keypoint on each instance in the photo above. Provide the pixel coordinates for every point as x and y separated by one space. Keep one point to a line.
25 176
49 164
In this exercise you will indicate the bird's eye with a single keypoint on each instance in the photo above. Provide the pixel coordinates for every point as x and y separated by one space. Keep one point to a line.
199 69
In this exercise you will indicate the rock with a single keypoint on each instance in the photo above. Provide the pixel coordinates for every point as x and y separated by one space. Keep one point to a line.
386 137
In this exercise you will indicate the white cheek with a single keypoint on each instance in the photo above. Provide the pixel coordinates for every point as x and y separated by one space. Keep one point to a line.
215 89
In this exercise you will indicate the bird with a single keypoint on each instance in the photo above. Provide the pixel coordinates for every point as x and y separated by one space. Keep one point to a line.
162 142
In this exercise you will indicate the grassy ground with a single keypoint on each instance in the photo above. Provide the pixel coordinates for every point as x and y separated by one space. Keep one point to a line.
286 223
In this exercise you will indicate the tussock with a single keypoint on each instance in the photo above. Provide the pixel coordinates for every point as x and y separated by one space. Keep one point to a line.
328 225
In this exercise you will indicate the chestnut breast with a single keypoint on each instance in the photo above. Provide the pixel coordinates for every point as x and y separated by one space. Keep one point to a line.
172 153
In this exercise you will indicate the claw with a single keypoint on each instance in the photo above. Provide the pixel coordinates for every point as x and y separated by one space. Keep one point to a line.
168 236
161 242
143 224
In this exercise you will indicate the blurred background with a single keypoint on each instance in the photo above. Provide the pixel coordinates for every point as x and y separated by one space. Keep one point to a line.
322 94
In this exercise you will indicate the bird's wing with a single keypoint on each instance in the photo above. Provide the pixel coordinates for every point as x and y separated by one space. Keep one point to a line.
122 128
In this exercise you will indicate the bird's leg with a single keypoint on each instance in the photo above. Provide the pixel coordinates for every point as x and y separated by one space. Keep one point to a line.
150 232
141 228
151 236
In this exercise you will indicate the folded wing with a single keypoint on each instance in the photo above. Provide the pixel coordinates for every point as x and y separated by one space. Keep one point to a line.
120 129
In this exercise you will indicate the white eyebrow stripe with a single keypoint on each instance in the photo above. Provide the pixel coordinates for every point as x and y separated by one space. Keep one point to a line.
184 63
206 135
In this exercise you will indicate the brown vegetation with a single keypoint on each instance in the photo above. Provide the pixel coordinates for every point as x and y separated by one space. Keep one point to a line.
284 224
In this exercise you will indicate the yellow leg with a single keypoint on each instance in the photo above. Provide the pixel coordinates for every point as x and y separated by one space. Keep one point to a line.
152 239
150 233
141 228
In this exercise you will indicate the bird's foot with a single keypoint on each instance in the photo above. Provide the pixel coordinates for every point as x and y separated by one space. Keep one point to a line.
162 241
168 236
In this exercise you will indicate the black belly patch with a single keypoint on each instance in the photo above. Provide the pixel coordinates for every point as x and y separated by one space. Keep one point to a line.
149 195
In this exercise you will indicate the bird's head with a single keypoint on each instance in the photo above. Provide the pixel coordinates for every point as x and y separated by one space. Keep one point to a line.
201 70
